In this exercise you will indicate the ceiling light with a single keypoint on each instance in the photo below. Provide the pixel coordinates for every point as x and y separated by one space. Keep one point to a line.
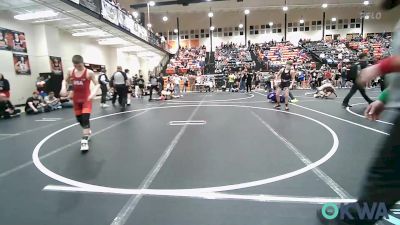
240 26
151 3
324 5
165 18
112 41
366 2
285 8
175 31
210 14
212 28
135 48
334 19
96 33
271 24
36 15
246 11
301 21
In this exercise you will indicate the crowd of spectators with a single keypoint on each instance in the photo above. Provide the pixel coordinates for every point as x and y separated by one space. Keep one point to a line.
333 52
188 60
233 57
273 55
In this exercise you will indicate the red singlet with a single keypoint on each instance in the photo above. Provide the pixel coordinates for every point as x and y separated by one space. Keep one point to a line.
81 89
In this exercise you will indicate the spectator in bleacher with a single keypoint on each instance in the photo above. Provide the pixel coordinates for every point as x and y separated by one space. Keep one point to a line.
52 102
35 104
4 86
7 109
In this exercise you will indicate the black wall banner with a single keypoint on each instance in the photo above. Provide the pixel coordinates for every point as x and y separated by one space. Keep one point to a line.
93 5
109 12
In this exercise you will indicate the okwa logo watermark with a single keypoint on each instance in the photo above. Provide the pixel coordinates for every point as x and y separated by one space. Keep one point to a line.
355 211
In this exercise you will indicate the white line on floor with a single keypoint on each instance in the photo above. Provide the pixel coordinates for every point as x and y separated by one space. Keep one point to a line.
222 196
323 176
9 134
52 118
133 201
356 114
15 169
223 100
182 123
46 120
338 118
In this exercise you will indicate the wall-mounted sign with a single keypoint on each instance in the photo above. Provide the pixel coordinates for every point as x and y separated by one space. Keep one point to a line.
21 64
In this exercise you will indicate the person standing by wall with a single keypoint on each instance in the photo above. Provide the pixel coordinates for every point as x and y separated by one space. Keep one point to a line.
103 81
153 86
4 86
160 82
129 90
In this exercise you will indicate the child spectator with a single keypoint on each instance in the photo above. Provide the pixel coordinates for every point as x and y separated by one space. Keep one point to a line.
35 104
7 109
52 102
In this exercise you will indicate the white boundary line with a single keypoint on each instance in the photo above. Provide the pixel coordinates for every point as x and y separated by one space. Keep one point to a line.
338 118
323 176
51 174
224 196
356 114
188 122
210 101
10 134
46 120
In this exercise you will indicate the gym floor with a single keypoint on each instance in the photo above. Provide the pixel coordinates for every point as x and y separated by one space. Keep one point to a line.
208 158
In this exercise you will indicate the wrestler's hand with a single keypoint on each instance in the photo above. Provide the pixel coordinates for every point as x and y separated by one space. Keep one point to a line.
374 110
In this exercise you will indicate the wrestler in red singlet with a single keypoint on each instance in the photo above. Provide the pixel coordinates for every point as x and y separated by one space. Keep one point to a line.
81 87
80 78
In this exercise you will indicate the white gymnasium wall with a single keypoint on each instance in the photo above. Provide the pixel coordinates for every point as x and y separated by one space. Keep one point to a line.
199 20
21 85
44 41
